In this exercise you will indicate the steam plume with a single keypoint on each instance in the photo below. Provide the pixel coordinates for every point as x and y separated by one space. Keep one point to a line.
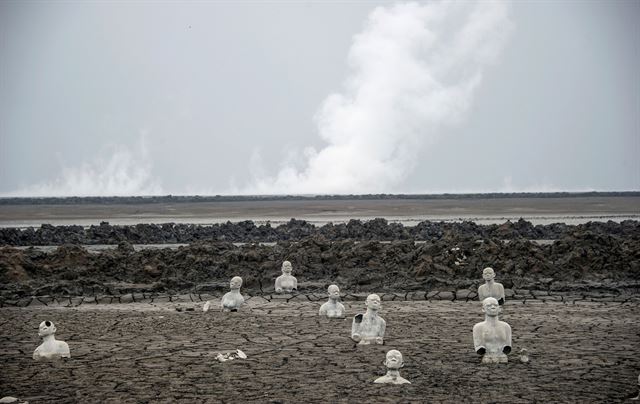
413 68
125 172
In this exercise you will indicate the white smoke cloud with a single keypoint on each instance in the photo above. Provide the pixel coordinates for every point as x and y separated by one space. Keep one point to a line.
413 68
124 172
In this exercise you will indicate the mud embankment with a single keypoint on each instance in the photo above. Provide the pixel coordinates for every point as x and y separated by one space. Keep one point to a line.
582 260
296 230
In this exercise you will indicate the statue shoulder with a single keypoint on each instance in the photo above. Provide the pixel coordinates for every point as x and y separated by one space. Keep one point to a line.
64 347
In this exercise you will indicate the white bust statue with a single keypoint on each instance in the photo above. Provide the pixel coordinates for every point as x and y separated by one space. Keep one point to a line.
638 396
393 363
285 283
369 328
232 300
50 348
492 337
333 308
490 288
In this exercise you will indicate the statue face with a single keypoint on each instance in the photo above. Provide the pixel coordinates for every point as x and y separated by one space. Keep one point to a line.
394 359
490 306
46 328
287 268
373 302
334 292
236 282
488 274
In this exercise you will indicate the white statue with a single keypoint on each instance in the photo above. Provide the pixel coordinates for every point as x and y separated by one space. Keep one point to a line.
393 363
333 308
369 328
638 396
286 282
232 301
492 337
50 348
490 287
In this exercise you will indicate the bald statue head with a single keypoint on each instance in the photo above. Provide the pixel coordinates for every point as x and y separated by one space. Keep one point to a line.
46 328
334 292
236 283
373 302
491 307
488 274
287 268
394 359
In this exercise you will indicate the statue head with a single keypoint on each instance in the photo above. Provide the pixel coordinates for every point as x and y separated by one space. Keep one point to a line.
373 302
488 274
46 328
334 292
491 307
287 268
394 360
236 283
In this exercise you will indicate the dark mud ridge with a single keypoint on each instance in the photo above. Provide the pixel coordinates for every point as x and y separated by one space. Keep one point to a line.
589 258
296 230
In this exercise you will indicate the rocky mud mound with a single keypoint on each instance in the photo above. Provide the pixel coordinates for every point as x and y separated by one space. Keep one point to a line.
296 230
584 259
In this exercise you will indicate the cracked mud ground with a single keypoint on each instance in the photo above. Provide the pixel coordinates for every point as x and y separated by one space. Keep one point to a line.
582 352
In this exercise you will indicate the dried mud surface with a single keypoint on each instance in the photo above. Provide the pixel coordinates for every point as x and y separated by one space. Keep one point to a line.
581 352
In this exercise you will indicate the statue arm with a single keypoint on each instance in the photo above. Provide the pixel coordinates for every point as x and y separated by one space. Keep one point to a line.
295 283
279 284
383 327
65 350
507 348
481 294
477 340
323 310
354 330
502 297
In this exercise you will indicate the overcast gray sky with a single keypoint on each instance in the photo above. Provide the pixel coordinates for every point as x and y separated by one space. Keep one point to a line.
118 98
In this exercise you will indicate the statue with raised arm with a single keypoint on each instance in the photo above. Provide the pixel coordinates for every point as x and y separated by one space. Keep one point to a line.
491 288
492 337
369 328
333 308
286 282
393 363
50 348
232 300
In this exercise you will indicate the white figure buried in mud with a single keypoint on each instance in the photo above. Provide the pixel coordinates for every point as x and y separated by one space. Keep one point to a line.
491 288
50 348
637 398
393 363
492 337
286 283
232 300
333 308
368 328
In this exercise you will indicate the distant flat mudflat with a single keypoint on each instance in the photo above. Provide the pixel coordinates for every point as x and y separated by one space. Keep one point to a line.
538 210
